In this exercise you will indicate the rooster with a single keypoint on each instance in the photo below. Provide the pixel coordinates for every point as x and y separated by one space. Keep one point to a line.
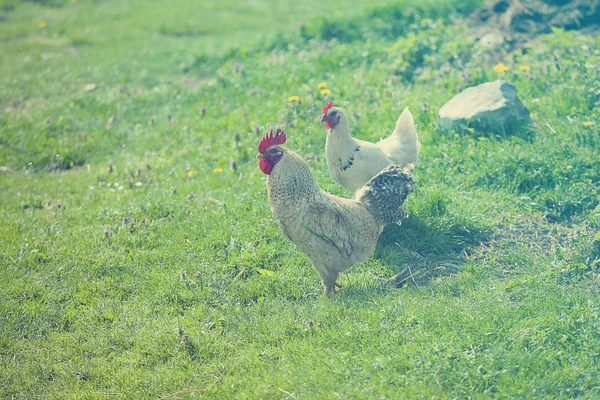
335 233
353 162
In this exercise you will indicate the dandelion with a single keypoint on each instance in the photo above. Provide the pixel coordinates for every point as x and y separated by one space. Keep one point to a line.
325 91
42 24
501 68
190 173
588 123
293 98
322 85
217 170
524 68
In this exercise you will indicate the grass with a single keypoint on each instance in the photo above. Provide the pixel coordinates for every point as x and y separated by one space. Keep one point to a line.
139 255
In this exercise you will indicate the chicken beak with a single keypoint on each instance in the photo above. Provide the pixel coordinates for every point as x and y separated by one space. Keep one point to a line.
259 156
323 118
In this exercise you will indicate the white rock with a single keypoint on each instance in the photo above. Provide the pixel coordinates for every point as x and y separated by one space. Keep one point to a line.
491 107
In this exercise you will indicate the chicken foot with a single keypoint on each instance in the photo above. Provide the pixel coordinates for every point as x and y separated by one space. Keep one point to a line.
329 290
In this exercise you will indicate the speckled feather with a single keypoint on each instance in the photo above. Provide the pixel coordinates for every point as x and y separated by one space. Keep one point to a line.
386 192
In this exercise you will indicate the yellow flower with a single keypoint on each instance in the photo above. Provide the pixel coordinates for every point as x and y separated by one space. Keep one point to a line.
588 123
190 173
322 85
325 91
42 24
501 68
216 170
524 68
293 98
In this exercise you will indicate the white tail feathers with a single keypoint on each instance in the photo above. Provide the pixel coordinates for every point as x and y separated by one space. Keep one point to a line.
405 127
402 146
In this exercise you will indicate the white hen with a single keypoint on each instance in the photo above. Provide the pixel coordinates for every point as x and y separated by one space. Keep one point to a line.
353 162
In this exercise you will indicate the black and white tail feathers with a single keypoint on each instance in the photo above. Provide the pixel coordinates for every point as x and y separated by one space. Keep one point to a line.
384 193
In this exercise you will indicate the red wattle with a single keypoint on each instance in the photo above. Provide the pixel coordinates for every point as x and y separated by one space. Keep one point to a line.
327 125
266 166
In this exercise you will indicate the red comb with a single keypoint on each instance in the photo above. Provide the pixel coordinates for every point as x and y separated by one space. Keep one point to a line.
327 107
270 140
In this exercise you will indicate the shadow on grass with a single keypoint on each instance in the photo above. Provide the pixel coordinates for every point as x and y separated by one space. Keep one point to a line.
426 247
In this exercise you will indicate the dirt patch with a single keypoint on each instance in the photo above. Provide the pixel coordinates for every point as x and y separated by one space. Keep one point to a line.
521 20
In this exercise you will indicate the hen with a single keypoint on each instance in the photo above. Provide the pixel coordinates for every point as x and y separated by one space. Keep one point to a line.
335 233
353 162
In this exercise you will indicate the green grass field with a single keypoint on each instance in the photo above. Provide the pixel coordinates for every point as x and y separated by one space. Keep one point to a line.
139 257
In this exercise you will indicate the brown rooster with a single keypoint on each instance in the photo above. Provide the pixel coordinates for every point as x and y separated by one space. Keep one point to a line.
335 233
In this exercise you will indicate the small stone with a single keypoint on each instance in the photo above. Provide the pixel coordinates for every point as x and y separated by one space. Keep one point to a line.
491 39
